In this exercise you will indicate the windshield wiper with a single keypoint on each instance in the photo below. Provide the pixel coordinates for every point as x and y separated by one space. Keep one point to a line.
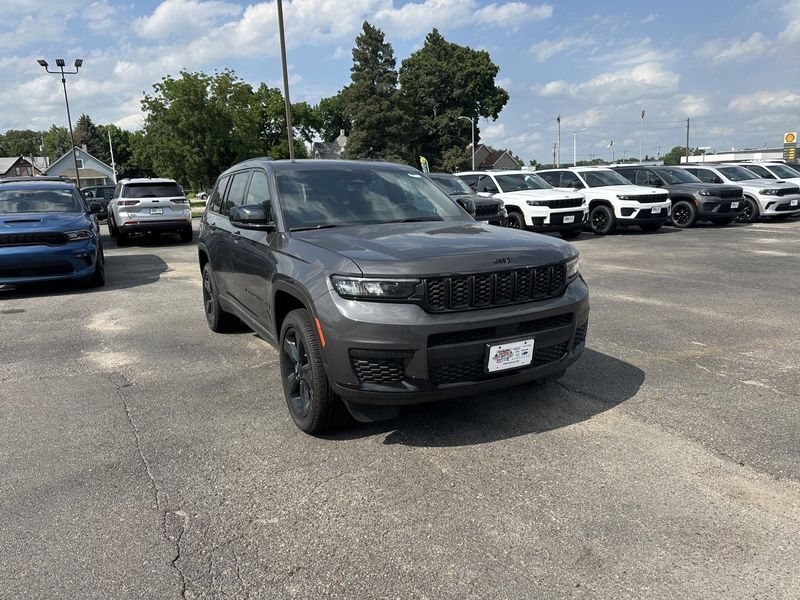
310 227
415 220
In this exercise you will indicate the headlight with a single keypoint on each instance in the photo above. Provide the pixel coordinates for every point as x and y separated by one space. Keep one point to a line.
572 268
360 287
80 234
769 192
706 193
625 197
536 202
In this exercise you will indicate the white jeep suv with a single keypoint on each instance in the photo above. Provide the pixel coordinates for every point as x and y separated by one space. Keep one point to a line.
762 197
613 200
149 206
530 201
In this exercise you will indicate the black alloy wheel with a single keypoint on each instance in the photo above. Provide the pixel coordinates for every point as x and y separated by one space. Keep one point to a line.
313 405
750 212
218 320
515 221
683 214
601 220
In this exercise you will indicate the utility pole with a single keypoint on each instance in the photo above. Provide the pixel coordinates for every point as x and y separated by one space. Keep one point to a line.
472 124
285 82
111 150
554 153
575 147
641 140
558 141
687 139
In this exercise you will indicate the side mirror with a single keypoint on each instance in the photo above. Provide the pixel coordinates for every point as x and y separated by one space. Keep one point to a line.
490 190
88 194
577 185
467 204
95 207
253 216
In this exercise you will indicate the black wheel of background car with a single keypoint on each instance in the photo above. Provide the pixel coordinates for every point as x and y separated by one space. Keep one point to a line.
750 212
683 214
112 231
312 404
570 234
98 278
218 320
602 220
187 235
650 226
515 220
721 221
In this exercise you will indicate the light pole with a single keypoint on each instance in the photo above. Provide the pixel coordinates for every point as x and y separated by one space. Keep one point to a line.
285 82
641 139
60 64
472 123
575 146
558 141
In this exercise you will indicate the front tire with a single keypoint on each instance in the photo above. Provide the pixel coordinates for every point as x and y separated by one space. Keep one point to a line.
98 277
602 220
312 404
112 231
751 211
218 320
684 214
515 220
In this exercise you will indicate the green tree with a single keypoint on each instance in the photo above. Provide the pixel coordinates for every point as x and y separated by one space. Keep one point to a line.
373 101
333 116
21 142
441 82
673 157
455 159
86 133
56 142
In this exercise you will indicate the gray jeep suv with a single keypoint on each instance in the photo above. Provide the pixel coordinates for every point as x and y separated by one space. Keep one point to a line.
379 291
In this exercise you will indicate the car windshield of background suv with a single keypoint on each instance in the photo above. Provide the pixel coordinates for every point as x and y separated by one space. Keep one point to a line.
519 182
452 184
738 173
784 172
38 201
317 198
677 176
151 190
604 178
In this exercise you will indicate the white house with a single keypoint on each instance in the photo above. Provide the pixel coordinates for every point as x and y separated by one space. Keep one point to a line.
92 171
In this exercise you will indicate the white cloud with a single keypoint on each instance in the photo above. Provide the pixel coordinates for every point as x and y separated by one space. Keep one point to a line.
512 14
648 19
549 48
183 18
634 52
694 106
765 100
724 50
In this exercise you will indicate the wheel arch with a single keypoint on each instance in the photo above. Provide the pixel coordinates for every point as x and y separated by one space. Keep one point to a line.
286 299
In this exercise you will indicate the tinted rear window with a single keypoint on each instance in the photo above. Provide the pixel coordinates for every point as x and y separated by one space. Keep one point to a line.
151 190
39 201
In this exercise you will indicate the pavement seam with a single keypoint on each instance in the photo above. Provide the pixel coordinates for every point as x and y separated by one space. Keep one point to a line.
157 493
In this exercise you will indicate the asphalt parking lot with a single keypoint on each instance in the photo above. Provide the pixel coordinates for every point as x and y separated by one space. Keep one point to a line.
143 456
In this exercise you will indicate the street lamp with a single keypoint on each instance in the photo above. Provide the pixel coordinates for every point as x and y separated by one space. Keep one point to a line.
472 123
60 64
286 101
641 139
575 146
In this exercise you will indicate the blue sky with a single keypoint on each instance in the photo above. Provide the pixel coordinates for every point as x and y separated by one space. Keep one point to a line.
731 66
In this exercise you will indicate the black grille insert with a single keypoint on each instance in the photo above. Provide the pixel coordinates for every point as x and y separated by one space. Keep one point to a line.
27 239
375 366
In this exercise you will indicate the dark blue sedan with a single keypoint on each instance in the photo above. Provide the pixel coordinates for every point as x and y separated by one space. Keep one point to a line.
47 233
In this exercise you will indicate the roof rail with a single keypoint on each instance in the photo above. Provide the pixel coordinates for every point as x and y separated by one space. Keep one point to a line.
34 178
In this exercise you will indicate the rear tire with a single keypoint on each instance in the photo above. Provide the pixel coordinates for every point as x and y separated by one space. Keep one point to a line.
751 211
684 214
112 231
602 220
218 320
98 278
313 406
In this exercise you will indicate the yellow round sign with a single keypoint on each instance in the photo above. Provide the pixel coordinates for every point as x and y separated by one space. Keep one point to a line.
789 138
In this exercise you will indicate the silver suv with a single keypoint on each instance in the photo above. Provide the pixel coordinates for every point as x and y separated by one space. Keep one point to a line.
149 206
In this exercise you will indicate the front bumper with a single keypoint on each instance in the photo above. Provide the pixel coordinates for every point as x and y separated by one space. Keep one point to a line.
780 205
163 226
545 219
38 263
712 207
635 213
398 354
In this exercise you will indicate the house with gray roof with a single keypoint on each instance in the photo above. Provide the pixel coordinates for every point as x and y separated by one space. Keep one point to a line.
17 166
92 171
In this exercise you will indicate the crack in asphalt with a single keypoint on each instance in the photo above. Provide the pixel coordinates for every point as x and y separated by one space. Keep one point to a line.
157 493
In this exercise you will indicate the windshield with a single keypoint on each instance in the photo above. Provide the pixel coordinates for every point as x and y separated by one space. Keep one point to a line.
39 201
677 176
355 196
151 190
603 178
521 181
451 184
738 173
784 172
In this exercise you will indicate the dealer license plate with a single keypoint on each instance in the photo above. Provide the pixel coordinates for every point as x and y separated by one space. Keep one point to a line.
655 210
509 355
794 202
156 211
734 205
569 219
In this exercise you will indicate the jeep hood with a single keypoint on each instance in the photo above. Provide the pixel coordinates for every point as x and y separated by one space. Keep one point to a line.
438 248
